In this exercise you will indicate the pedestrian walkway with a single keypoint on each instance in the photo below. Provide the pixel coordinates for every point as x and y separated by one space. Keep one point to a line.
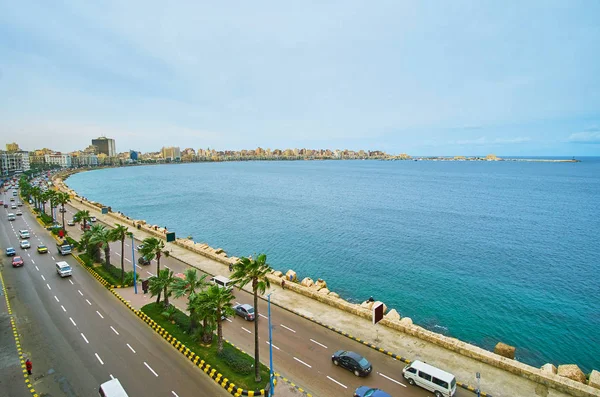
494 381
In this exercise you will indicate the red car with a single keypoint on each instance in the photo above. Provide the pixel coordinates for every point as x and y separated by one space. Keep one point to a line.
17 261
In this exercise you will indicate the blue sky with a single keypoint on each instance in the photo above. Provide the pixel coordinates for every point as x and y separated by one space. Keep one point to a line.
421 77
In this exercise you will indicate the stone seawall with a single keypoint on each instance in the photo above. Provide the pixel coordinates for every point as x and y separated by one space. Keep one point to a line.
318 291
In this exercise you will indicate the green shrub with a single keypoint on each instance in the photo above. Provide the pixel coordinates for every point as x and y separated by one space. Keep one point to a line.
238 363
86 259
181 320
46 219
74 243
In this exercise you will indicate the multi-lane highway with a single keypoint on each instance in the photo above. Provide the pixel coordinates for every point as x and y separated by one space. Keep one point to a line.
78 335
302 349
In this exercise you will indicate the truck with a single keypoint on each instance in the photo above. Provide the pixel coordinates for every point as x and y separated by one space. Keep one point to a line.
64 248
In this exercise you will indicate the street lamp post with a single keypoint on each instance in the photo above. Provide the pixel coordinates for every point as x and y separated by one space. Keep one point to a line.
272 386
478 375
133 261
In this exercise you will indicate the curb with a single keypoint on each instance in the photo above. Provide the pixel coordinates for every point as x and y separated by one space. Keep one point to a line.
295 386
204 366
17 340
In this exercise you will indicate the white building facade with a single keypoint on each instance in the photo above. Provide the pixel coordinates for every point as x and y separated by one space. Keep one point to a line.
63 160
14 162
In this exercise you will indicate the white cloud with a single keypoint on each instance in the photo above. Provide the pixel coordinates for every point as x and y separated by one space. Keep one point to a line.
585 137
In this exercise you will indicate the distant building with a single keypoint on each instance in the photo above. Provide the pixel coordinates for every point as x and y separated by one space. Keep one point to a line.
83 159
12 147
63 160
105 146
133 155
172 153
13 162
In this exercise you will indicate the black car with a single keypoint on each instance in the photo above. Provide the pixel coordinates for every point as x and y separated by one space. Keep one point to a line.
142 260
352 362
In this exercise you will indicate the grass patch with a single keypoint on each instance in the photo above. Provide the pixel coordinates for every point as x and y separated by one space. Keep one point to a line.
111 275
46 219
232 363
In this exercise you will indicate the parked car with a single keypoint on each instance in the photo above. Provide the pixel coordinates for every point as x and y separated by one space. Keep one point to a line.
87 226
366 391
17 261
353 362
142 260
25 244
71 222
93 219
246 311
140 247
54 226
10 251
62 209
42 249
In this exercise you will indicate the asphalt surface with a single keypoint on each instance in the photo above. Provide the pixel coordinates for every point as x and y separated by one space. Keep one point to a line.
301 349
77 334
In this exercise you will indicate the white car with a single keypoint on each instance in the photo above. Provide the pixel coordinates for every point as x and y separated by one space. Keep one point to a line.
25 244
71 222
19 212
93 219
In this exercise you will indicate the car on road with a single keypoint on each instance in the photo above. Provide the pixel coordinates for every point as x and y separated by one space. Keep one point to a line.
11 217
93 219
10 251
12 199
62 209
245 310
20 204
87 226
25 244
13 206
42 249
139 247
71 222
352 361
19 212
366 391
17 261
54 226
5 205
24 234
142 260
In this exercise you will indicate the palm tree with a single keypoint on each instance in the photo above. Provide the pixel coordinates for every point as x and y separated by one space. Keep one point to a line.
161 284
102 237
254 271
120 233
91 249
83 215
219 300
44 198
62 199
153 248
53 202
36 193
188 286
200 305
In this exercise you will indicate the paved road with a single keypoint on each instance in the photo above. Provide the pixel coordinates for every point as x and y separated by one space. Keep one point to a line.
302 349
79 335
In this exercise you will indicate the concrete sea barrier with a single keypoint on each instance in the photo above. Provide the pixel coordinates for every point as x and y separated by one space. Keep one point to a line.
567 378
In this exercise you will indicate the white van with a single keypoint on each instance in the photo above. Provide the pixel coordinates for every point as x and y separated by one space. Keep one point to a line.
63 269
112 388
11 217
441 383
222 282
24 234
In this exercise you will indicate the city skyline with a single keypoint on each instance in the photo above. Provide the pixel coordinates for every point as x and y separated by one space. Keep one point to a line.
455 79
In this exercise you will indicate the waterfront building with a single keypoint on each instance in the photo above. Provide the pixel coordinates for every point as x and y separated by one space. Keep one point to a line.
172 153
12 147
14 162
105 146
61 159
83 159
133 155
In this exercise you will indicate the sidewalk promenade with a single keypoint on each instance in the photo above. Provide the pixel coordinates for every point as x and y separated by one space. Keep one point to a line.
494 381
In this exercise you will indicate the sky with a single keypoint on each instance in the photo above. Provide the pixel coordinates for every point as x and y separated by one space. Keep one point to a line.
417 77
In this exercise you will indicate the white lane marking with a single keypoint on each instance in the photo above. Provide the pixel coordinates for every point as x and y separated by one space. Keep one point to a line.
84 338
228 320
246 330
64 310
71 281
48 285
167 267
289 329
99 314
273 345
150 274
262 315
99 359
146 364
43 278
300 361
129 261
130 348
89 303
80 293
37 268
32 261
56 299
393 380
320 344
126 245
117 253
112 377
71 318
53 258
333 380
237 303
28 255
139 267
175 394
114 330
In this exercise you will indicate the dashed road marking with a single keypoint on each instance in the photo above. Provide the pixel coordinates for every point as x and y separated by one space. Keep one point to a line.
262 315
302 362
175 394
80 293
151 370
272 345
99 359
333 380
32 261
43 278
320 344
56 299
37 268
101 316
84 338
248 331
228 320
71 318
53 258
130 348
129 261
71 281
150 273
64 310
48 285
89 303
393 380
289 329
117 253
114 330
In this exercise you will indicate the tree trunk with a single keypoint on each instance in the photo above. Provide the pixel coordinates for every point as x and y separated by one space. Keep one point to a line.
219 332
166 296
122 260
256 349
157 263
63 216
107 255
193 320
158 297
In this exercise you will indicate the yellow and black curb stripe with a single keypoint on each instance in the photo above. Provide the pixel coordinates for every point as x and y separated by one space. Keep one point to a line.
17 340
372 346
204 366
289 382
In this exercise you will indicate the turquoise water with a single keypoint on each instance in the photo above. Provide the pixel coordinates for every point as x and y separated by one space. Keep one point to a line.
482 251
